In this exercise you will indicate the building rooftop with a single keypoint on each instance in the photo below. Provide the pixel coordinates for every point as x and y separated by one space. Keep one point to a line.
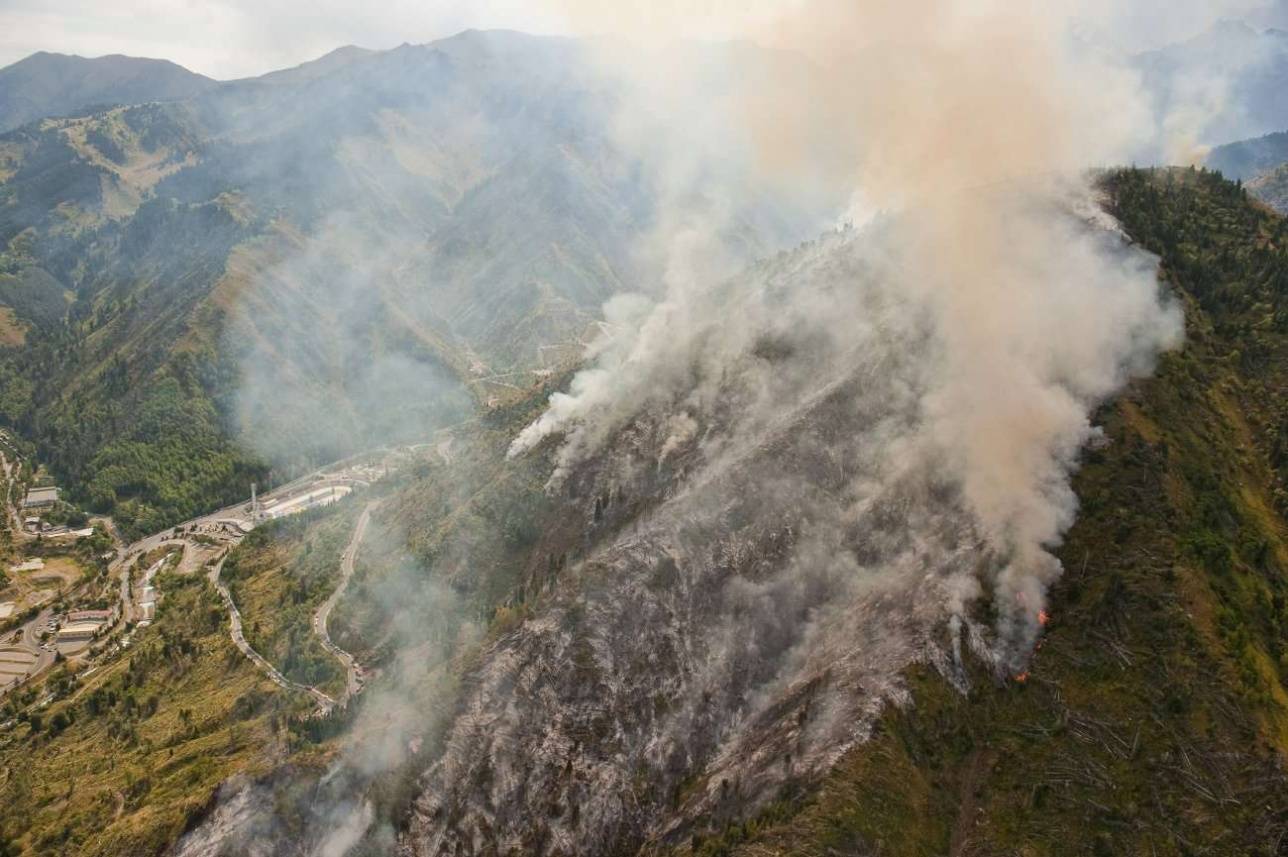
79 628
41 496
89 615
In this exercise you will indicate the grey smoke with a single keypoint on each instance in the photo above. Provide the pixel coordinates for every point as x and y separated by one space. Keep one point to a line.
332 355
820 531
938 104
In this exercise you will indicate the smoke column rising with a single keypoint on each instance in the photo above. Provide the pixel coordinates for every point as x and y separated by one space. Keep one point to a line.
959 119
980 313
855 442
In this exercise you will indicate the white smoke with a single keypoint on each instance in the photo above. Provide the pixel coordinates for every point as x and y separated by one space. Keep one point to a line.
347 833
970 124
850 445
847 473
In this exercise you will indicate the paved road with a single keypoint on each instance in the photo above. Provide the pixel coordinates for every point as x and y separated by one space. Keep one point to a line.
349 472
127 612
130 611
325 703
31 640
232 516
12 503
352 682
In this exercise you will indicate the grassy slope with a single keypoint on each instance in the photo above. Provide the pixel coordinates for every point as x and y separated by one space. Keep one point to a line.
161 767
487 511
1155 719
150 737
279 577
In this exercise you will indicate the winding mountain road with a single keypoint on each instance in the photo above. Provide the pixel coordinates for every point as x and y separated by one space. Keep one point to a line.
325 702
353 679
234 522
353 682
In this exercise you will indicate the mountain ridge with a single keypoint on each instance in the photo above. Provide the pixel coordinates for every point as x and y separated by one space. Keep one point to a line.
48 84
396 185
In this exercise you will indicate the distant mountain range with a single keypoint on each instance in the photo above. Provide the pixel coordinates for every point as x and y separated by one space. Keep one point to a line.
1230 81
1233 79
59 85
46 84
1245 159
314 69
1261 163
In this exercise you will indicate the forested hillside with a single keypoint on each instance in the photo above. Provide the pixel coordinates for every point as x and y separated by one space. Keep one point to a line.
233 287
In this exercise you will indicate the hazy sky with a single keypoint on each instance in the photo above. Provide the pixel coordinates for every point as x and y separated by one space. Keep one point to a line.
235 38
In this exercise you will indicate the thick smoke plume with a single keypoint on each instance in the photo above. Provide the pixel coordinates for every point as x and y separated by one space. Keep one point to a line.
964 122
801 492
829 460
800 478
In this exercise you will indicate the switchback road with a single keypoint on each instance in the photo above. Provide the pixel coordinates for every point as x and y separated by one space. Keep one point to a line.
352 680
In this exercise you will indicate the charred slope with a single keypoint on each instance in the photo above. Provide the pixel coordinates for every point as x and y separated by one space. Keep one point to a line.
1154 718
664 678
736 577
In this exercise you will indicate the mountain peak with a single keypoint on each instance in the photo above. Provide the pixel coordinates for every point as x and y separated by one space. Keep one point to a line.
332 60
53 84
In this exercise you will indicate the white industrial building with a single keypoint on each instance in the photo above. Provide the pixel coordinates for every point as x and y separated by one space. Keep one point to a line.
77 631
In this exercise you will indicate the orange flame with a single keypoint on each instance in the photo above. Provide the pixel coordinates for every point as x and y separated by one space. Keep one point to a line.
1043 617
1022 677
